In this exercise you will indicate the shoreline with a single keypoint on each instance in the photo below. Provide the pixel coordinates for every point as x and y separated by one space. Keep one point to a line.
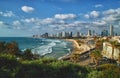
77 49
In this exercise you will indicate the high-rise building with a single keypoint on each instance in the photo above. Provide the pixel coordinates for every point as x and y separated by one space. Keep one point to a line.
70 34
111 30
89 33
66 34
78 34
45 35
93 33
63 34
104 33
60 35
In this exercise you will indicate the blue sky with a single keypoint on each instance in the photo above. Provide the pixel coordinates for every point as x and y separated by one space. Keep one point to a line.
28 17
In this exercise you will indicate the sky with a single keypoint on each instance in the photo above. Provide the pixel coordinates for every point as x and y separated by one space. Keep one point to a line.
27 17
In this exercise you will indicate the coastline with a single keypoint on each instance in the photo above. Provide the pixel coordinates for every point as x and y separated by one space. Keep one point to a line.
77 49
74 42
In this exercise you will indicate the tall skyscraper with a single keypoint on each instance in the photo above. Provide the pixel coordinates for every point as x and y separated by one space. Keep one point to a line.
70 34
93 33
78 34
89 33
63 34
111 30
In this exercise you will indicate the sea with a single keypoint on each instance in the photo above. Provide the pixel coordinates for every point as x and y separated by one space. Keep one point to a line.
52 48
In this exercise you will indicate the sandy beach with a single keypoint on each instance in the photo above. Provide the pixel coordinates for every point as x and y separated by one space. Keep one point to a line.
78 48
75 43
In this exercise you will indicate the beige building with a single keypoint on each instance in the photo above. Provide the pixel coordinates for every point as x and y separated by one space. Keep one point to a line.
107 51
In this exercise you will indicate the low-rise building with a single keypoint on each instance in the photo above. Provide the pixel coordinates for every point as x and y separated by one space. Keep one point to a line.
110 51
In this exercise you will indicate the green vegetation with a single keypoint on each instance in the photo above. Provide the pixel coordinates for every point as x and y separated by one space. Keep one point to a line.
12 48
10 67
114 45
9 48
96 56
99 44
28 65
75 57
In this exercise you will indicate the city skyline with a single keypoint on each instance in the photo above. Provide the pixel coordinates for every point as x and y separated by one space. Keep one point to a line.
90 33
29 17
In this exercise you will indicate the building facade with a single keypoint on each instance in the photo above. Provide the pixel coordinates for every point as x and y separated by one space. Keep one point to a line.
111 31
110 52
104 33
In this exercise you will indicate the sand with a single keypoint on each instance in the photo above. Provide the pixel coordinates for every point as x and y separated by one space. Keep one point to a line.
79 49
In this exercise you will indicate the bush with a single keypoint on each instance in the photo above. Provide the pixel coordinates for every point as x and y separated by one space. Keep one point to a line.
95 74
108 71
8 65
50 68
4 74
106 67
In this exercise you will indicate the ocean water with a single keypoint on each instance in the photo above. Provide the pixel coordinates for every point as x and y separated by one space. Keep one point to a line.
54 48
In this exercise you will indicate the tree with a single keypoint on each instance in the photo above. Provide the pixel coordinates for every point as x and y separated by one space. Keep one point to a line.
117 45
99 45
113 43
12 48
28 54
8 65
75 57
2 46
96 56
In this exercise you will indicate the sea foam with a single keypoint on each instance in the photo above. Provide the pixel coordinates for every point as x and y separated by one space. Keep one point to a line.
44 49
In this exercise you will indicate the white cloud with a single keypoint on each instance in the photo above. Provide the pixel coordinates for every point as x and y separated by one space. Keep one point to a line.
60 22
47 20
110 18
27 9
86 16
4 25
112 15
94 14
29 20
7 14
16 23
1 23
98 5
65 16
99 23
110 11
38 21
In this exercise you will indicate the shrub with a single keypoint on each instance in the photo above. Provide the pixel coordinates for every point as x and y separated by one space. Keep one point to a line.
8 65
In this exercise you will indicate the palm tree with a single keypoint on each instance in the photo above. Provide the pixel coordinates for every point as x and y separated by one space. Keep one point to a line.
99 44
118 59
113 43
117 45
96 56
